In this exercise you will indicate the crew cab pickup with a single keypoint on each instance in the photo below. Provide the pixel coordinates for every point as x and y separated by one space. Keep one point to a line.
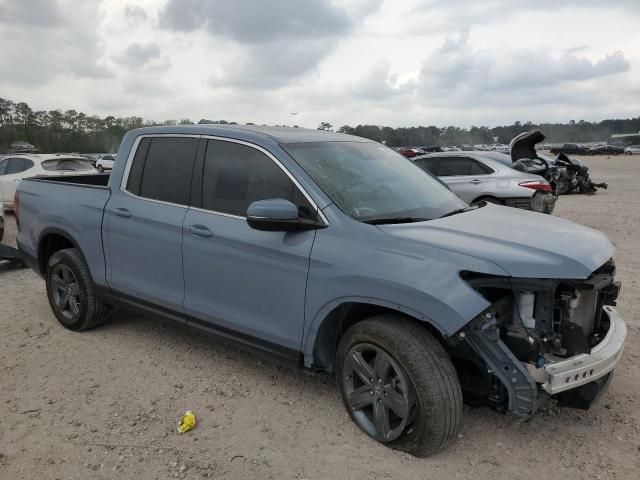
336 254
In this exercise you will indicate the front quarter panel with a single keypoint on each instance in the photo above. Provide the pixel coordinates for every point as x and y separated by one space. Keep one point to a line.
355 262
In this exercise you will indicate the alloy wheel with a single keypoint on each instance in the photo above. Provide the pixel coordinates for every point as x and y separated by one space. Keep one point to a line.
66 292
379 393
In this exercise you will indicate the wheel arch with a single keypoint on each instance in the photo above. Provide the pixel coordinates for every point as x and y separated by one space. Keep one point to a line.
52 240
487 196
334 320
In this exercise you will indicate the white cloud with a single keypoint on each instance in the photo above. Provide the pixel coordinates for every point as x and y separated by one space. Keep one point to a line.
458 74
40 42
400 62
137 55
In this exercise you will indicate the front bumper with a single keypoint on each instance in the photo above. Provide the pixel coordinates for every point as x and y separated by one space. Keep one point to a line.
560 374
543 202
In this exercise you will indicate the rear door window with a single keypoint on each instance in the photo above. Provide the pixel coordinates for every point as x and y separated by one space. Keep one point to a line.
18 165
454 166
162 169
236 175
428 164
478 168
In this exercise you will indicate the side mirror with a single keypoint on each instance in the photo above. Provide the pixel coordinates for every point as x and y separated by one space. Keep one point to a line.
277 215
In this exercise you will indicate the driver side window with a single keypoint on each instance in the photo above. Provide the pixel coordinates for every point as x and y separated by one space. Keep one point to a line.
236 175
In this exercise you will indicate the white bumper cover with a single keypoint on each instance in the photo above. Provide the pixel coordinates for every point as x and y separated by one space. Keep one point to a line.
566 374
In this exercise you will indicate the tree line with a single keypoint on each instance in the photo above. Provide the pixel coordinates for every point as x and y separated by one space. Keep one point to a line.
572 132
72 131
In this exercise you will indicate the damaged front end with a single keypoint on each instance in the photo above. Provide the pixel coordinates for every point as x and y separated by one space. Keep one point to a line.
540 338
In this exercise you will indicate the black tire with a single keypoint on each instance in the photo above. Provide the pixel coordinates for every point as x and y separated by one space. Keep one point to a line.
100 169
88 311
1 229
492 200
437 408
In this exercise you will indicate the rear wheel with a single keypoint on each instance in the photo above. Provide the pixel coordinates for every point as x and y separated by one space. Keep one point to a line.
493 200
70 292
399 384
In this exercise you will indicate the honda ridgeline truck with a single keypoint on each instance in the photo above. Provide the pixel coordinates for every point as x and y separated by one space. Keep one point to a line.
334 253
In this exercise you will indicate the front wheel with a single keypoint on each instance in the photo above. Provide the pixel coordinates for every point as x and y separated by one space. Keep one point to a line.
399 385
100 169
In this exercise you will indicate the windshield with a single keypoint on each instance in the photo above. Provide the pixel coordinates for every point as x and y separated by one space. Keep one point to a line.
371 182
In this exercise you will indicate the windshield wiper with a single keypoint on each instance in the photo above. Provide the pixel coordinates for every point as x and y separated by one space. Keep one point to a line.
385 221
459 210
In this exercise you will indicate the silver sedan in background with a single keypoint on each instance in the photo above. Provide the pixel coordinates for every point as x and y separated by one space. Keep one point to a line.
483 176
632 150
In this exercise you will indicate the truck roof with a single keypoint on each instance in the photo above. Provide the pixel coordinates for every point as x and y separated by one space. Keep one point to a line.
253 132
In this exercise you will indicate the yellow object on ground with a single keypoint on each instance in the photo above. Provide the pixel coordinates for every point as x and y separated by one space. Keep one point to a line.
188 422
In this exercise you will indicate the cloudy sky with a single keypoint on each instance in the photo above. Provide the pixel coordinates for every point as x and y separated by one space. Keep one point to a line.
385 62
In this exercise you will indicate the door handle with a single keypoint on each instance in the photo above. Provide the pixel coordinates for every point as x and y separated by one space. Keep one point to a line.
122 212
199 230
476 181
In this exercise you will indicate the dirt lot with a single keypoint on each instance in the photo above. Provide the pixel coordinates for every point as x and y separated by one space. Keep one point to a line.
105 403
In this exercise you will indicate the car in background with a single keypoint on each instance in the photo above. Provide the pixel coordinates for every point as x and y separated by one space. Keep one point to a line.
105 161
478 176
1 222
14 168
569 149
632 150
431 148
411 152
605 150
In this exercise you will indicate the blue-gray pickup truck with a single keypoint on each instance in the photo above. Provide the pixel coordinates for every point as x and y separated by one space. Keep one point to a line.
335 254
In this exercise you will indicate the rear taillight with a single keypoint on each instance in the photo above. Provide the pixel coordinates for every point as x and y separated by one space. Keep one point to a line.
537 185
16 208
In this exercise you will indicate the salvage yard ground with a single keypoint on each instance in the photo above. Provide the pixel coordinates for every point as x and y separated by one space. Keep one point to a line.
106 403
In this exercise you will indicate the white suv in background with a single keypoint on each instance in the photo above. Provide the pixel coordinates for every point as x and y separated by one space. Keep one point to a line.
14 168
105 161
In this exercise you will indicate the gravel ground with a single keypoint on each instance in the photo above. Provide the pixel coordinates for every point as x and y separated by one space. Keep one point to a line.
106 403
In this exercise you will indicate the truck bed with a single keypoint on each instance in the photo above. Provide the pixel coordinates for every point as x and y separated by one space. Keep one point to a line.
100 180
71 204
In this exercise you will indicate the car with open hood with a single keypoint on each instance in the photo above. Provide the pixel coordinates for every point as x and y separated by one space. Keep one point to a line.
566 175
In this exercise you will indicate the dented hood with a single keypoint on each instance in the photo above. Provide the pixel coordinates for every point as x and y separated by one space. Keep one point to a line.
525 244
524 145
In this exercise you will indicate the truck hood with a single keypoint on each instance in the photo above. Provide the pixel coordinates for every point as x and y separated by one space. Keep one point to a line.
525 244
